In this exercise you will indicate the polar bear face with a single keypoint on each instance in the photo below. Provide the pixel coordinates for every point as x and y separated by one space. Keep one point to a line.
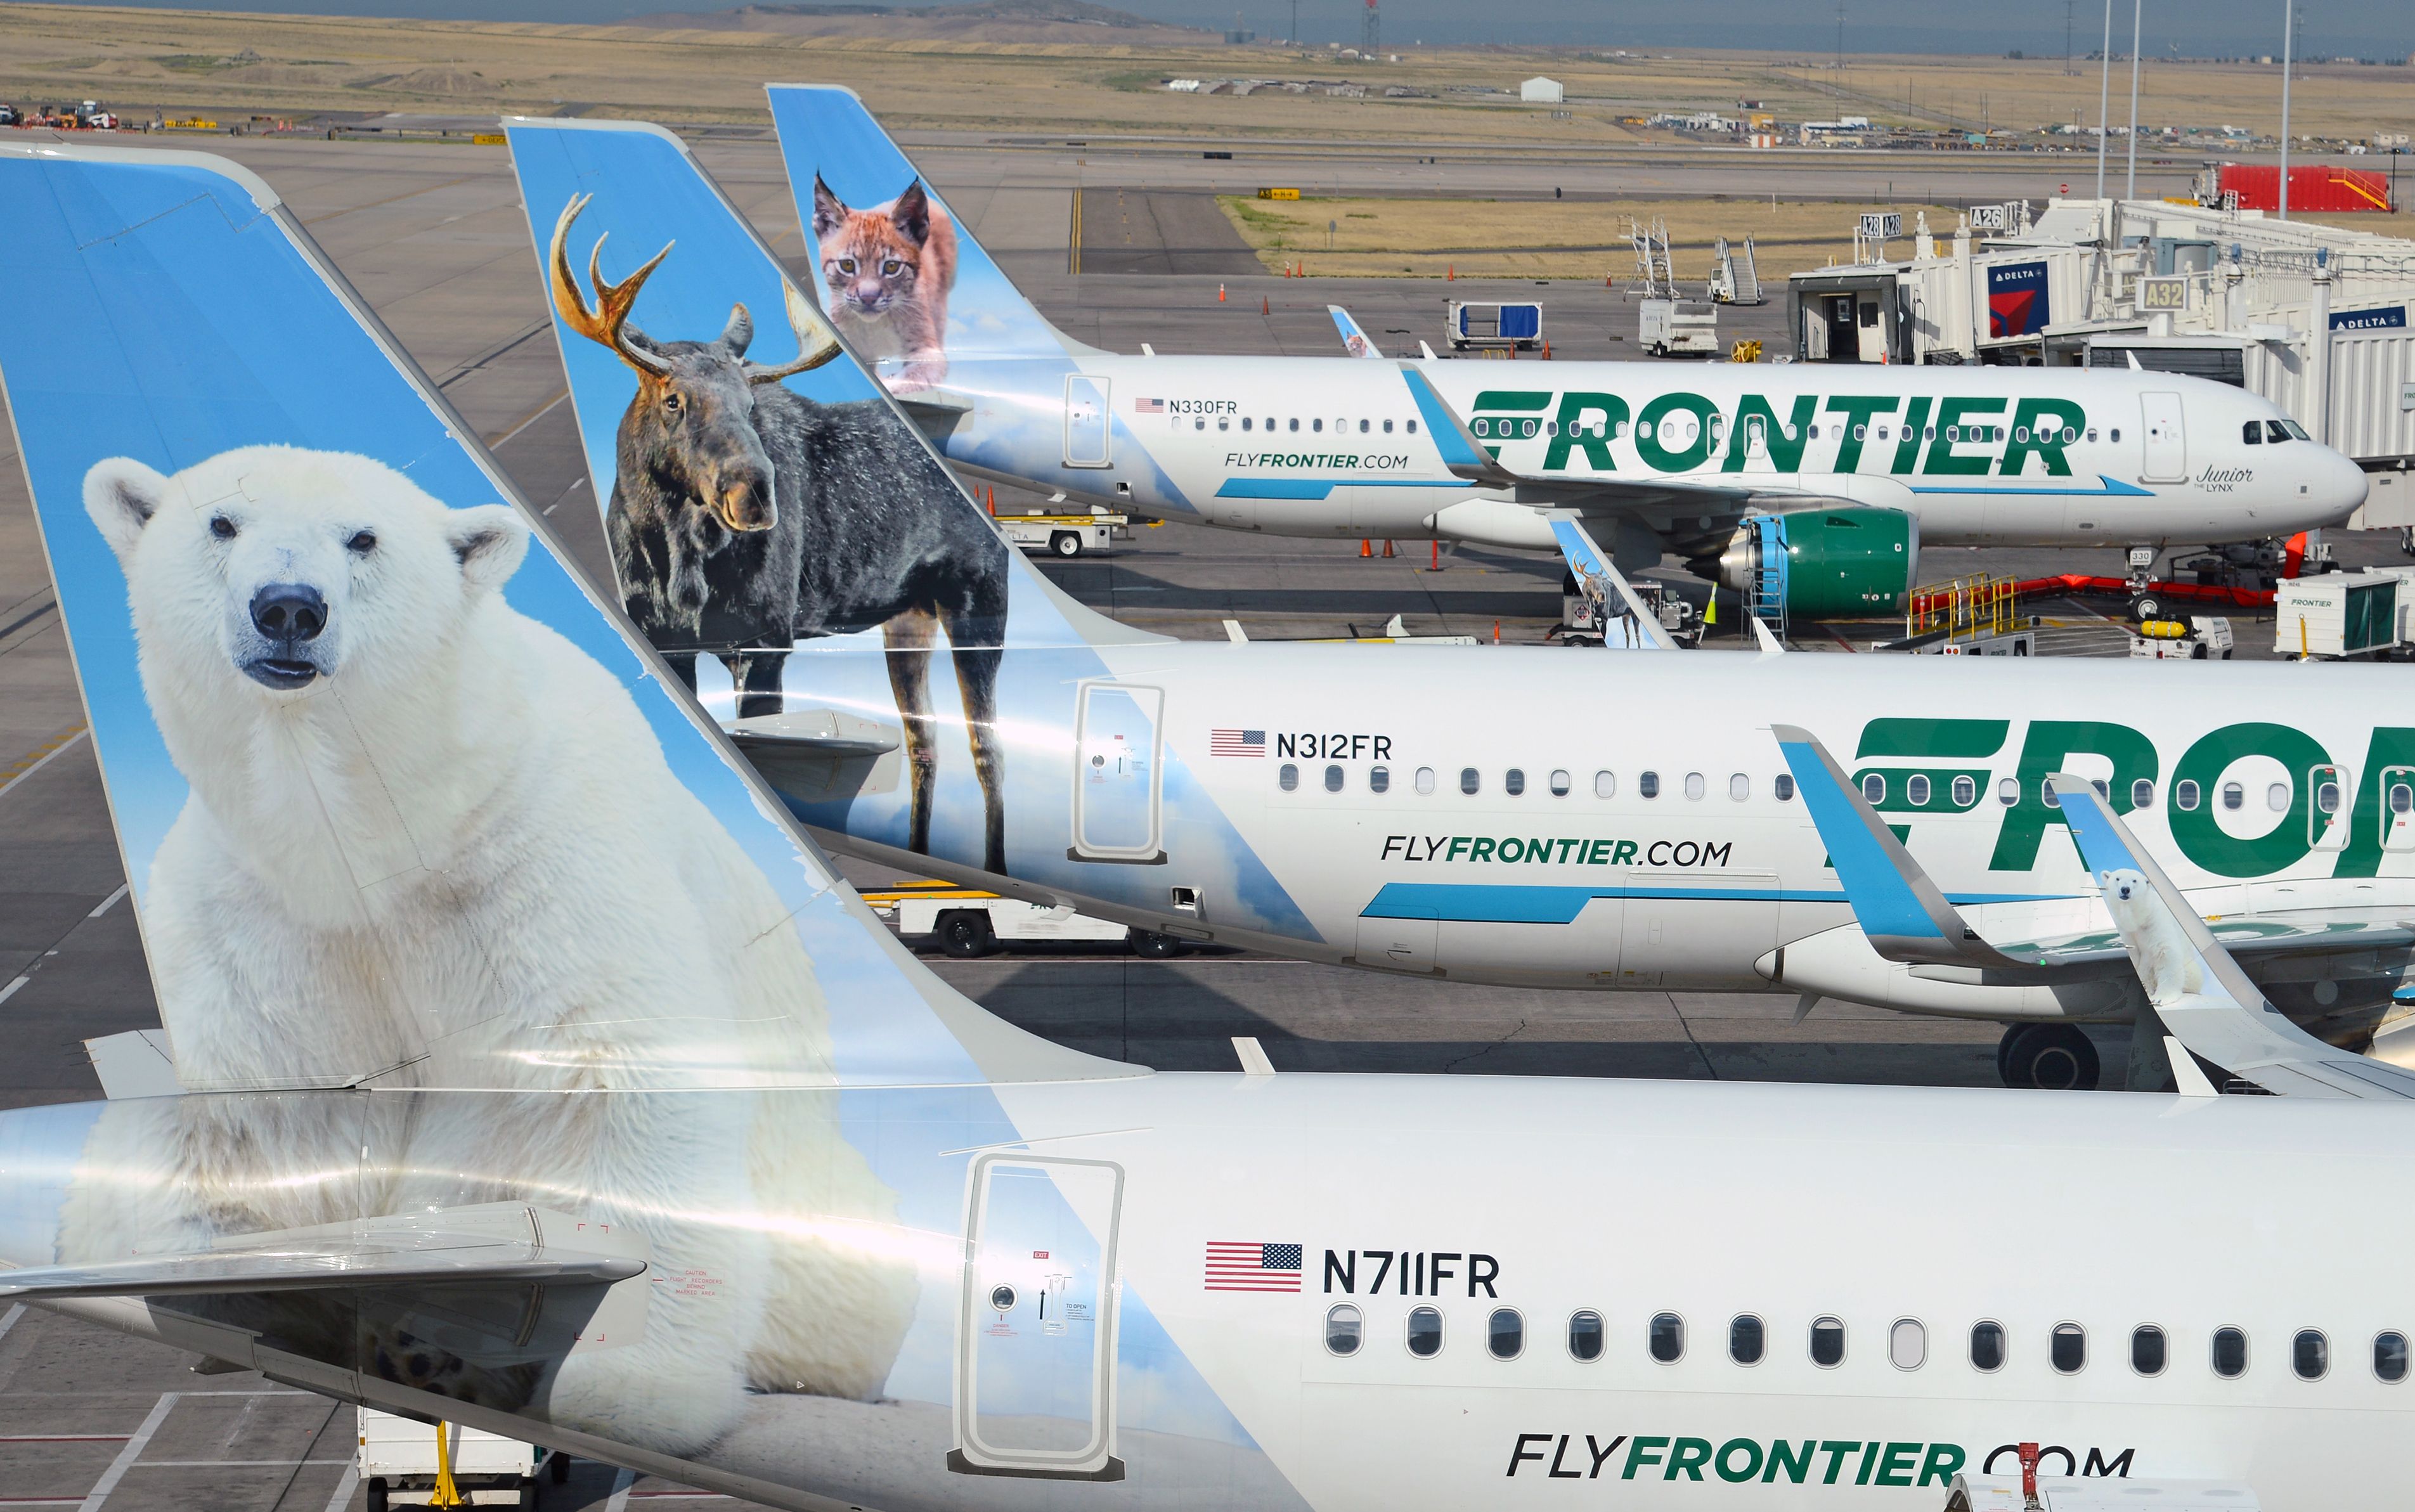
271 572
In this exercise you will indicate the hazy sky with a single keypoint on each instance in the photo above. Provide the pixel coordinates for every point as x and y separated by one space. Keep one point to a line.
2364 28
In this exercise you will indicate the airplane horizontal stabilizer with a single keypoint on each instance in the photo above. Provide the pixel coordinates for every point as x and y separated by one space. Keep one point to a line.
2205 1000
1902 912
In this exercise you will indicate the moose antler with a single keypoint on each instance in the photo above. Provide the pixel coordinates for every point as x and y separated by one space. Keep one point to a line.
816 342
607 322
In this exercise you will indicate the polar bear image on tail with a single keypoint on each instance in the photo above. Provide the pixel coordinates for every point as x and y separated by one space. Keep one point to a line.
431 842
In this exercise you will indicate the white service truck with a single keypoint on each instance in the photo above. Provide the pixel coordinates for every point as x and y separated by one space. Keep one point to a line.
401 1453
1678 327
1062 535
967 922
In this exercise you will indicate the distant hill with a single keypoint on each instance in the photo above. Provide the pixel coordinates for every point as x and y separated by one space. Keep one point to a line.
981 20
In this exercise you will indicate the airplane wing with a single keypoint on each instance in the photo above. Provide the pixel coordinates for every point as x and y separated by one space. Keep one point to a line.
1600 579
2203 997
505 1245
1354 340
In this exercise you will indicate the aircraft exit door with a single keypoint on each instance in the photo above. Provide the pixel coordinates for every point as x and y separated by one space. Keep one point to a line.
1119 777
2166 458
1035 1363
1090 439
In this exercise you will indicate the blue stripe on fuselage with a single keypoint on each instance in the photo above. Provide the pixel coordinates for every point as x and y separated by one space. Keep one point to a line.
1486 903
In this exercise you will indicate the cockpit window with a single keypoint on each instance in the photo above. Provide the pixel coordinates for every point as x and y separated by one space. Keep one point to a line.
2253 432
2297 431
2275 432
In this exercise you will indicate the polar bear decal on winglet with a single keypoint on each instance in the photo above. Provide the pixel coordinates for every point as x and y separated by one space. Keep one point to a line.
430 842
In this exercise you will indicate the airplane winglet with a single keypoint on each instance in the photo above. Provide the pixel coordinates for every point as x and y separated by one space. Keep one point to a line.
2204 999
1903 913
1595 572
1355 340
1460 450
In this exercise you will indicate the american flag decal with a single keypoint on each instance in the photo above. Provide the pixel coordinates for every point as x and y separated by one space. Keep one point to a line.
1235 1267
1148 406
1236 742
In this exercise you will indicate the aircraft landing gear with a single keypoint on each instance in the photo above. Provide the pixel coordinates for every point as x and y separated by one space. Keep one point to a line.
2055 1057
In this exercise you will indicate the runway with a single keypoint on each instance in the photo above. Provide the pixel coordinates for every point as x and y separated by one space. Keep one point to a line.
434 237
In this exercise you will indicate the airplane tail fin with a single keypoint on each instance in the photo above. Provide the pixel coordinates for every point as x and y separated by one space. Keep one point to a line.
1354 341
904 277
404 800
2194 985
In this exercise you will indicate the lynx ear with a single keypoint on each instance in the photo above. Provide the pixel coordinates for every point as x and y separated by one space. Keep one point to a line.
828 212
911 214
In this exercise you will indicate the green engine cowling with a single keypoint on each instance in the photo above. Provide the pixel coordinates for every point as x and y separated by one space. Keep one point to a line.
1846 562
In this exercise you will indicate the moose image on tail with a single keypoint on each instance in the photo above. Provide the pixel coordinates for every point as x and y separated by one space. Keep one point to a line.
745 517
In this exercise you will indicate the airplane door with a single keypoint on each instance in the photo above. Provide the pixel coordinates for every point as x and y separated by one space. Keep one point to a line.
1756 439
2326 809
1397 944
1088 438
1035 1367
2399 809
1118 784
2167 438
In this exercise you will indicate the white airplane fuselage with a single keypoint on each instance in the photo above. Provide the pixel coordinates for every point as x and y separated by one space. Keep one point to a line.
1335 447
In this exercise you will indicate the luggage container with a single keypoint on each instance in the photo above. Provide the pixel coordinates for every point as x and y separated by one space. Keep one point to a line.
2343 614
1471 323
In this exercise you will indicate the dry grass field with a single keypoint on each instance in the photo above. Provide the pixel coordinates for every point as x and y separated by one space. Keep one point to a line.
1547 239
231 65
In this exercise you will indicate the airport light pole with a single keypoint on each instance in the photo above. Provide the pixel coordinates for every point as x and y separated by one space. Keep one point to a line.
2288 43
2137 6
2105 100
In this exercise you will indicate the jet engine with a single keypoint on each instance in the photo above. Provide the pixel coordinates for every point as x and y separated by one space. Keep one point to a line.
1849 562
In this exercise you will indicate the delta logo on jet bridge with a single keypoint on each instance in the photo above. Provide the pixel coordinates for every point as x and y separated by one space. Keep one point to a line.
1680 432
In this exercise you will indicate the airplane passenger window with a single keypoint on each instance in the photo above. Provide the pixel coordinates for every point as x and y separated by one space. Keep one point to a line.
1668 1338
1295 423
2327 796
1966 792
2046 794
2390 1358
2229 1353
2147 1348
2185 796
1379 779
1953 433
2402 798
2021 434
2069 435
1584 1334
1739 786
2113 435
1387 428
1362 427
2274 433
1745 1340
1604 784
1200 424
1907 1345
2098 783
1425 1332
1526 427
1333 779
2008 791
2091 433
1812 432
1928 433
1468 781
1827 1343
2276 797
2143 794
2233 796
1551 428
1560 784
1883 435
1425 780
1861 432
1648 784
1695 787
2310 1355
1504 1334
1783 785
1413 427
1342 1329
1245 422
2251 433
1222 422
1514 780
1287 777
1318 426
1874 788
2067 1351
1986 1346
1915 790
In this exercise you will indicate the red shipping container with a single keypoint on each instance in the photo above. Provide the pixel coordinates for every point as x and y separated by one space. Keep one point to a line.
2311 186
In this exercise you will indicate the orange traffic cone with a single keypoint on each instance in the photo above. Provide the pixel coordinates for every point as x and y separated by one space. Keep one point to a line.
1387 548
1449 274
1436 564
1220 294
993 500
1366 550
1496 631
1263 308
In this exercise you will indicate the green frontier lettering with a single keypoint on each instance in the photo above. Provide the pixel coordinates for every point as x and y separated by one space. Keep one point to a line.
1907 442
2038 429
2047 748
1858 410
1943 460
1783 440
2200 833
1968 740
1650 432
1585 422
1740 1460
2389 762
